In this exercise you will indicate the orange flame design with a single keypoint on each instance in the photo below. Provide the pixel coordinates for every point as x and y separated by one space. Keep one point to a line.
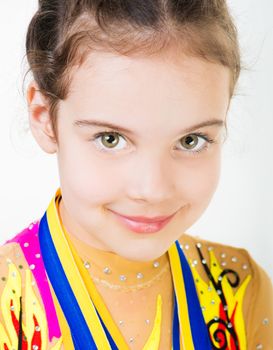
14 334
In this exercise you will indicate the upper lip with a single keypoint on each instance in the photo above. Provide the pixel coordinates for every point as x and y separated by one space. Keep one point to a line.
145 218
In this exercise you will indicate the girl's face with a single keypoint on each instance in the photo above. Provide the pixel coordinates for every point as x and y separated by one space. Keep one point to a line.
158 166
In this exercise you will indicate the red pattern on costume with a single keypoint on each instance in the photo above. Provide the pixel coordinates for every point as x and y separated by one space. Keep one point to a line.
222 328
36 339
16 327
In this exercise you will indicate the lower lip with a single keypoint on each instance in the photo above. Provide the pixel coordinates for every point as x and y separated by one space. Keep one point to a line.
143 227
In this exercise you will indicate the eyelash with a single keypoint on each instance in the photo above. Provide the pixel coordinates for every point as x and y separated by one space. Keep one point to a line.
194 153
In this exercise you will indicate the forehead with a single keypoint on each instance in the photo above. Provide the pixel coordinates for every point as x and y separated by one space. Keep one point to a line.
160 88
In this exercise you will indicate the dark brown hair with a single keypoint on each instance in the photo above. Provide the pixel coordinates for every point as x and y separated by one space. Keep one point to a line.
63 32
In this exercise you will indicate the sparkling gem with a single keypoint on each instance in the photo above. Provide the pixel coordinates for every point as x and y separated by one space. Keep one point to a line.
131 340
107 270
223 255
122 278
17 255
26 244
204 261
12 308
203 308
30 227
37 329
219 292
35 347
8 261
38 255
212 302
234 259
244 266
225 307
209 289
229 325
139 275
147 321
223 263
210 248
220 278
156 264
13 274
265 321
187 246
259 346
32 267
199 245
216 318
195 262
121 322
86 264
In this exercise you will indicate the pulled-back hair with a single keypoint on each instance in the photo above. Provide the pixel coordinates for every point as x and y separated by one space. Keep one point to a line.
63 32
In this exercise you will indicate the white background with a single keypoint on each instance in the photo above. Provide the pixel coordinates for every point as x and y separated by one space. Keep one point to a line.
241 212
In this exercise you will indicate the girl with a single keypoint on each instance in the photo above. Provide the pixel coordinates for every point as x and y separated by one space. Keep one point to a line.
133 98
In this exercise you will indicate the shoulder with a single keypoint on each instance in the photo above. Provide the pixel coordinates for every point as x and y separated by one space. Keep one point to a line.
23 291
228 277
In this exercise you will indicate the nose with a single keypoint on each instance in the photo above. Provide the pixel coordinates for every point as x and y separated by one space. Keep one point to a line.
151 180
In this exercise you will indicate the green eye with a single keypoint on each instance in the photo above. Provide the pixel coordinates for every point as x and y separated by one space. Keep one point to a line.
190 141
110 140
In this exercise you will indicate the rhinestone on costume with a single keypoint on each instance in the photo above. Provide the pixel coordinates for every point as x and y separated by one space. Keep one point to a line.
210 248
265 321
223 255
12 308
259 346
223 263
139 275
37 329
147 321
225 307
195 262
35 347
229 325
26 244
86 264
156 264
209 289
244 266
219 292
234 259
122 278
199 245
38 255
131 340
107 270
13 274
203 308
30 227
220 278
216 318
212 302
187 246
120 322
204 261
32 267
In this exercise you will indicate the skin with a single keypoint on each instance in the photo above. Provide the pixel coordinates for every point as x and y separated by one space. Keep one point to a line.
148 173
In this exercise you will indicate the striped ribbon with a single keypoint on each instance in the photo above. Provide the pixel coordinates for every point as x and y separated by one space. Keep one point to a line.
90 322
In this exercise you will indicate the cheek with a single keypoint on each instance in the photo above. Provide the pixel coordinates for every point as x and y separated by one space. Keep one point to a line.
86 174
202 180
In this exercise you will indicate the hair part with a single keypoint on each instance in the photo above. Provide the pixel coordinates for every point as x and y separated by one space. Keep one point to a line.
63 32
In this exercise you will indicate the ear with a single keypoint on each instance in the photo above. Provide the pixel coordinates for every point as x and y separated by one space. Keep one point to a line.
39 119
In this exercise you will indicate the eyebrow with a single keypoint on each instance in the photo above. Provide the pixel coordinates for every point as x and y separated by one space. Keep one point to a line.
100 123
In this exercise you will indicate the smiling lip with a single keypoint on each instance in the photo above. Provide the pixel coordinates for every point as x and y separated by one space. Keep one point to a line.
141 224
